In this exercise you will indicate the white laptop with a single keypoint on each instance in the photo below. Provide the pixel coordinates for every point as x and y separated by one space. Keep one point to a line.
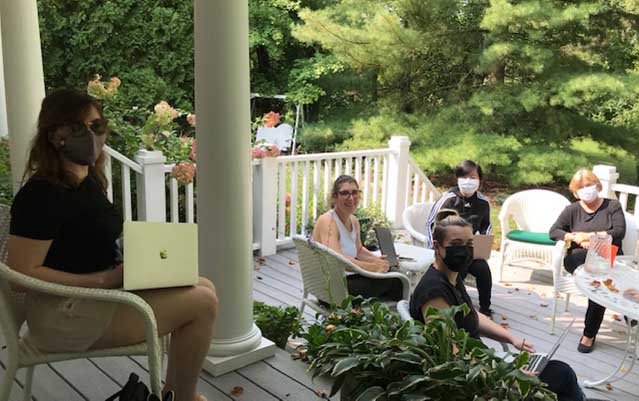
160 255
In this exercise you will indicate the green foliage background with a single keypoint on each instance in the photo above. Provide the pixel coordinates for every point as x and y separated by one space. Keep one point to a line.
532 89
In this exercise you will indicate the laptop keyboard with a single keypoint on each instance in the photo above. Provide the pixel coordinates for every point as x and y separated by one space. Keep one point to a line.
533 362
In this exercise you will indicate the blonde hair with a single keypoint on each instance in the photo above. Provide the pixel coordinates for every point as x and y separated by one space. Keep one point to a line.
581 177
446 218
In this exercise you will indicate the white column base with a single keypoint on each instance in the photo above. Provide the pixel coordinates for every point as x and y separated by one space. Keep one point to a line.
219 365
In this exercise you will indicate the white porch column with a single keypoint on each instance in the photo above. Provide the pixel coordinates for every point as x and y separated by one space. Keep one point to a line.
4 128
397 173
608 176
224 181
23 77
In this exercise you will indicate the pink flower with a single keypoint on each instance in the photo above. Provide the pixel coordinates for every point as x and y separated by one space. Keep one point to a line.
166 134
165 113
193 152
184 172
258 153
190 118
271 119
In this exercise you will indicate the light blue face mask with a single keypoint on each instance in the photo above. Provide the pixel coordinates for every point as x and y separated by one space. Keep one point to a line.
588 194
468 186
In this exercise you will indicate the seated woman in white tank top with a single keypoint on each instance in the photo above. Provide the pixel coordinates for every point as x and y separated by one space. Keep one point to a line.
339 230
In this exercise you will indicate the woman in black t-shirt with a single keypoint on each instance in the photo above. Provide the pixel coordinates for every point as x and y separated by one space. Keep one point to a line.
590 215
63 230
441 287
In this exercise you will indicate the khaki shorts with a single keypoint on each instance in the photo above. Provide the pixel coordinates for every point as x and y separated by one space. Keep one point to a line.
58 324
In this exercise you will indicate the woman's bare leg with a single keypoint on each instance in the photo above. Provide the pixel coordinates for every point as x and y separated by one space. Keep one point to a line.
189 312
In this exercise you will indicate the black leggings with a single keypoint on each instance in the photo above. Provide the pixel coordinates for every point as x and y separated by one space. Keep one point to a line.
562 380
484 279
595 313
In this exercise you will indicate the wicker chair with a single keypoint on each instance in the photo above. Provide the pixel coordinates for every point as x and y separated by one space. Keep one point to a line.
23 354
323 275
415 218
534 211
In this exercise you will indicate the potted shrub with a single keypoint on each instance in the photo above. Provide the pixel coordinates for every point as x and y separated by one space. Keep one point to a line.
372 355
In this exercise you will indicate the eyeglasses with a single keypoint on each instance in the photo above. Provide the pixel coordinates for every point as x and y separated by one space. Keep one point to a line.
353 193
99 126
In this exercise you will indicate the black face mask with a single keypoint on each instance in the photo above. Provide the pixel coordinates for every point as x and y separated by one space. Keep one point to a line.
80 145
458 258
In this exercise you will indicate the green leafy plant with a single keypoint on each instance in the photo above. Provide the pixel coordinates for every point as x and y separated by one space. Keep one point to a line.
373 355
276 323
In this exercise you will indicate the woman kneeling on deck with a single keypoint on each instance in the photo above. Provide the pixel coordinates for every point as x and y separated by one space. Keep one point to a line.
442 287
339 230
63 230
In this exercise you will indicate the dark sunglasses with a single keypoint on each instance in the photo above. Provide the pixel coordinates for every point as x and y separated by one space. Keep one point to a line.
355 192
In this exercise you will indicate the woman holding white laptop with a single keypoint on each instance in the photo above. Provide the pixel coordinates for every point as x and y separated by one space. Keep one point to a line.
63 230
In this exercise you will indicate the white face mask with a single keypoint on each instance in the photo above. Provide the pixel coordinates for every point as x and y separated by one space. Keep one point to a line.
588 194
468 186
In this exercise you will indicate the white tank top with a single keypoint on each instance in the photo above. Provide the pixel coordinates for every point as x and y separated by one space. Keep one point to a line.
347 239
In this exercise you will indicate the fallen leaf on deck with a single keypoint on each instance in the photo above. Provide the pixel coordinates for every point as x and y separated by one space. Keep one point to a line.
516 289
291 262
616 317
237 391
543 305
534 317
609 387
530 293
259 277
623 370
320 393
261 260
505 325
507 285
503 317
543 295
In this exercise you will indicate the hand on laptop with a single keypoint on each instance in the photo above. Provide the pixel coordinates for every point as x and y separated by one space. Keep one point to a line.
114 277
381 264
523 345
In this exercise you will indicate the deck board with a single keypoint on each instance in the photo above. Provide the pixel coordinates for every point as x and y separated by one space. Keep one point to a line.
281 378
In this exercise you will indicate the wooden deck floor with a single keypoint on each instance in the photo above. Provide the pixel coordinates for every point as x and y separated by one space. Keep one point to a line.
524 303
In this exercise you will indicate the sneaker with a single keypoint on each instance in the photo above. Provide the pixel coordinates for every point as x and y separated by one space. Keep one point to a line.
487 312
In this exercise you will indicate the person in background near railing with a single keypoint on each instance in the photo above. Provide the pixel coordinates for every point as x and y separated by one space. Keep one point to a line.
591 214
339 230
442 287
63 230
473 207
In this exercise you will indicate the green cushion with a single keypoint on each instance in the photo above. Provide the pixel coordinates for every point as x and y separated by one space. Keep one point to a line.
531 237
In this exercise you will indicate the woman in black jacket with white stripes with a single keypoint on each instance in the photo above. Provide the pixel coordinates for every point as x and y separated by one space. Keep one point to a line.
473 207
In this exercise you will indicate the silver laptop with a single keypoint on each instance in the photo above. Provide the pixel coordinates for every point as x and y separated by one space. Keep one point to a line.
160 255
482 245
537 362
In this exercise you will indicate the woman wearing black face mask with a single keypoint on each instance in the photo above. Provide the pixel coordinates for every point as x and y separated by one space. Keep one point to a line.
63 230
442 287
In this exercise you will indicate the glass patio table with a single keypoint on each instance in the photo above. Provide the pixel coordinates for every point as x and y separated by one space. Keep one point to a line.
611 295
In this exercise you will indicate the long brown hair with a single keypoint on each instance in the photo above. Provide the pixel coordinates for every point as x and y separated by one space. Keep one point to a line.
342 179
60 108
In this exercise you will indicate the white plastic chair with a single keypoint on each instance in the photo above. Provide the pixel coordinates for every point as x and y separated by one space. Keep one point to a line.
564 283
282 136
535 211
414 219
21 353
323 275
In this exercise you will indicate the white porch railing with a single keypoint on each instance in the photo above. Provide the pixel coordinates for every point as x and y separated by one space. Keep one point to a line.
612 189
289 192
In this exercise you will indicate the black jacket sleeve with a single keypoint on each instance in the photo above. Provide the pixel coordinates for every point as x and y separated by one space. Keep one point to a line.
562 225
618 230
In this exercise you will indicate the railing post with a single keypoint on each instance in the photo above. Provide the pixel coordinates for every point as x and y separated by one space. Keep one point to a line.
265 205
397 170
151 188
608 176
